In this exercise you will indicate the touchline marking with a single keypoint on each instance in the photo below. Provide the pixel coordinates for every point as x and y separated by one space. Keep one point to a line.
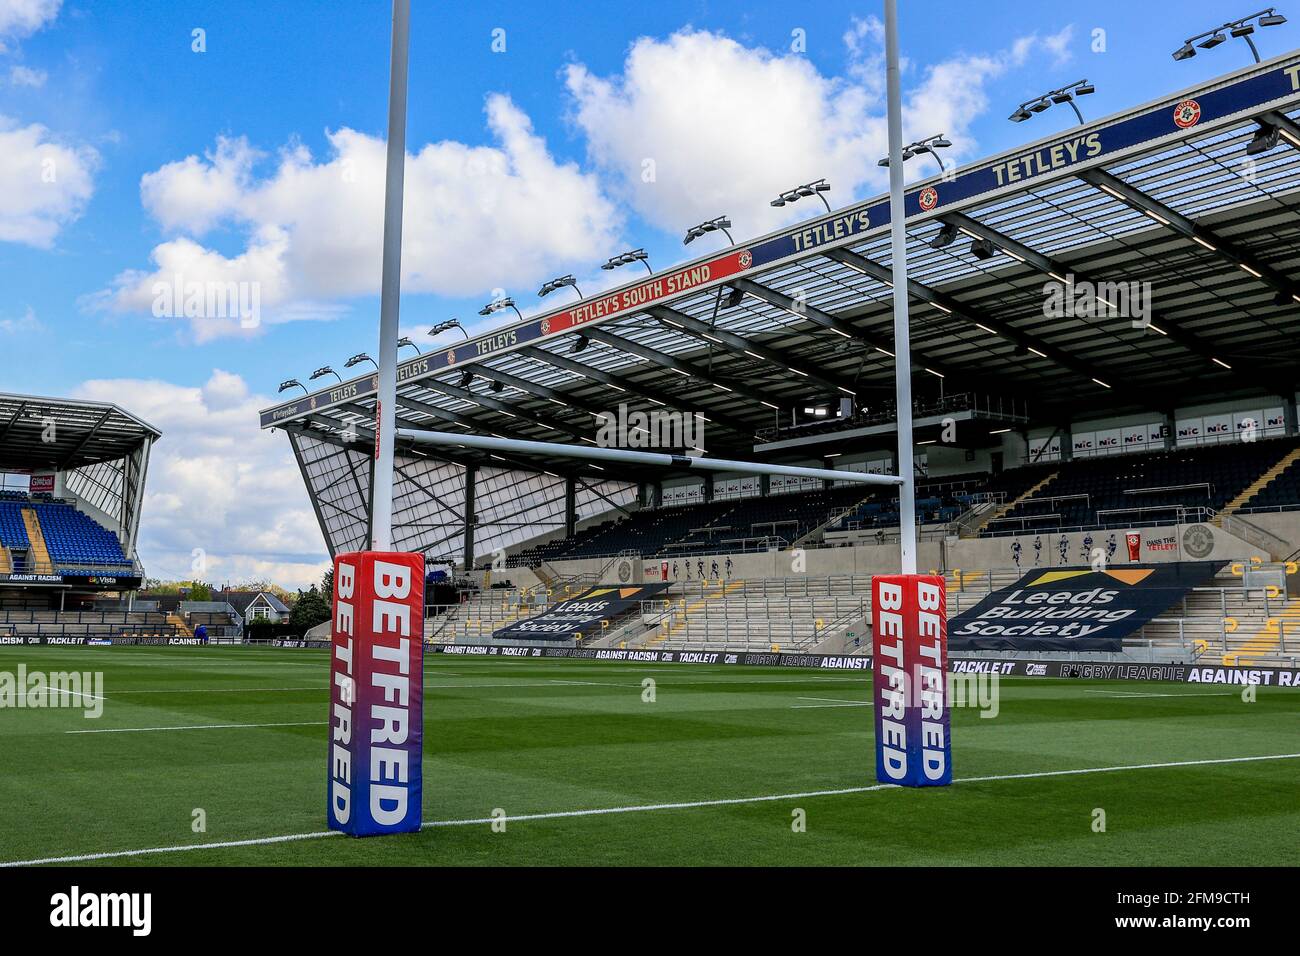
144 730
643 808
218 690
1104 693
829 702
836 700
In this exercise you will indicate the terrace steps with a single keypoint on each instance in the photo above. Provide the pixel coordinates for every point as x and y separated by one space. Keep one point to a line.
178 622
1258 485
6 562
41 563
1267 641
1006 506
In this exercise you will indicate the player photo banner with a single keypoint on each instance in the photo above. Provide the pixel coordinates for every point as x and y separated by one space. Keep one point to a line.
909 687
376 722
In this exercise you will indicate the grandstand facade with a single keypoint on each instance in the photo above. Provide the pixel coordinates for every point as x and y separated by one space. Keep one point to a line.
73 487
1103 358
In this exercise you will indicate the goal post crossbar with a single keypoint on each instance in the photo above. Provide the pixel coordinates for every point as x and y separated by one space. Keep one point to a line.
628 456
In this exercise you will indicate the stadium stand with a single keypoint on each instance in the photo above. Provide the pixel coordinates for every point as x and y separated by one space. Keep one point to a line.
683 529
13 533
43 535
72 539
829 614
1129 490
86 624
1281 489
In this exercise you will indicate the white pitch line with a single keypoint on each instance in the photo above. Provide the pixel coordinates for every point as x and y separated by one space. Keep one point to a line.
216 690
642 808
144 730
817 706
1104 693
835 700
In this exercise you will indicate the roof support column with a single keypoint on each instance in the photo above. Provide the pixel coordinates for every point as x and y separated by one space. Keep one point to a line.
570 506
471 476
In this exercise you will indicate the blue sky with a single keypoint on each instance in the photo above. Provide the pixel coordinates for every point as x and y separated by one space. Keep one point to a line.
254 160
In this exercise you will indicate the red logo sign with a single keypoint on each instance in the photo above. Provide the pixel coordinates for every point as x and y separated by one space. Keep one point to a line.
1187 114
929 198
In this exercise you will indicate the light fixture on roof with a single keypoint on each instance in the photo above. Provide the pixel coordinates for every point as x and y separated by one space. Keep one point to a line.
466 379
290 383
720 224
982 249
579 343
1066 94
733 299
944 237
404 341
325 370
1266 138
931 145
448 325
627 258
807 189
1241 29
496 386
499 304
358 359
549 287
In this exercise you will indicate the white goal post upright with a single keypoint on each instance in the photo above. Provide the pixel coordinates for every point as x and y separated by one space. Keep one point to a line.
902 331
381 491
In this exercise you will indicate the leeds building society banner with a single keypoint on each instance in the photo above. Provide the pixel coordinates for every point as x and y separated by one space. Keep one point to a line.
582 614
1075 610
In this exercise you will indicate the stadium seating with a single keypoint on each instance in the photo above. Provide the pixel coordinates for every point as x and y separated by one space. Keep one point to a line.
13 533
73 539
1282 493
686 529
32 622
1096 492
1127 490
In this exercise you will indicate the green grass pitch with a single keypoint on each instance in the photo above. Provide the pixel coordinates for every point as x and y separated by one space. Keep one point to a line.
531 737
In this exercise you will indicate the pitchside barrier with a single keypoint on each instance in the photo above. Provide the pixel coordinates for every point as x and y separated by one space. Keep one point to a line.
375 781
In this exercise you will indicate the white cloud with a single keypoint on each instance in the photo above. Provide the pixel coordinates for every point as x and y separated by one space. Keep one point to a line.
195 194
476 218
727 127
1058 44
218 483
44 184
26 323
26 76
22 18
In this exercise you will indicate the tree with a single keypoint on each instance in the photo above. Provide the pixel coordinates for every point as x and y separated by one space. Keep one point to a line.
327 584
310 609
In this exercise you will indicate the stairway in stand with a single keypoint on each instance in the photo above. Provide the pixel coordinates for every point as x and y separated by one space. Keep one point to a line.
40 554
178 622
1258 485
1001 511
